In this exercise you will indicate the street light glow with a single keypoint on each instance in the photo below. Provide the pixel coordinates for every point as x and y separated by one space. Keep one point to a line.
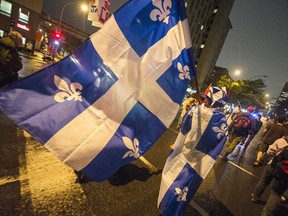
84 7
237 72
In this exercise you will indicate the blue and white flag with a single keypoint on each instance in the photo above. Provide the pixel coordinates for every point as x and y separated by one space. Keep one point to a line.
107 103
195 150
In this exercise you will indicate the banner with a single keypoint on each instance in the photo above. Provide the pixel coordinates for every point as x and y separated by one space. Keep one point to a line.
195 150
107 103
99 12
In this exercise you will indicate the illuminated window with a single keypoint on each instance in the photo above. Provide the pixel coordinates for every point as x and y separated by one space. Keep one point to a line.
1 33
24 15
5 8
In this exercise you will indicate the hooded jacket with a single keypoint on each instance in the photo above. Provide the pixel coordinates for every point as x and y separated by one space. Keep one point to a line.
10 61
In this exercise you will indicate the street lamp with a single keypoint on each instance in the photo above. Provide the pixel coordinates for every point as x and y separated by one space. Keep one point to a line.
239 72
83 7
258 76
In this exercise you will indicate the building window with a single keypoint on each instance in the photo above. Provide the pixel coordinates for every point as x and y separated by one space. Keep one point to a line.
24 15
5 8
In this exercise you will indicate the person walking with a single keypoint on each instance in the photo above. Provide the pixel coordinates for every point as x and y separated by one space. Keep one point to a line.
242 125
274 150
10 60
250 137
29 48
275 131
186 105
279 189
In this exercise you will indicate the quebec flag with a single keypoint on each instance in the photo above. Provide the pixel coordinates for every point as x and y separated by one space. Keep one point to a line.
107 103
200 141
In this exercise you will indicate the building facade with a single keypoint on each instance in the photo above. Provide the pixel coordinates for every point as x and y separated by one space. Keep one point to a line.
209 25
216 75
281 105
208 21
20 15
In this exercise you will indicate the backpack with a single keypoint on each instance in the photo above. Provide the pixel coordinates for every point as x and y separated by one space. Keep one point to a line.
241 122
280 164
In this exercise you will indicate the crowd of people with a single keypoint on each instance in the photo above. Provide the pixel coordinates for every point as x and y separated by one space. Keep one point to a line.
272 151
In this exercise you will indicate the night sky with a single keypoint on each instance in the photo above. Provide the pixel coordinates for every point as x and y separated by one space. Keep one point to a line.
257 44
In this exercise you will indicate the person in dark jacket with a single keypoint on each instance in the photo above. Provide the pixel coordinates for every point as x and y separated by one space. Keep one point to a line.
238 133
10 60
279 190
274 150
274 131
250 137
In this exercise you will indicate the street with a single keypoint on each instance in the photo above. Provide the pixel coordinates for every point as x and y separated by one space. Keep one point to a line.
30 65
33 181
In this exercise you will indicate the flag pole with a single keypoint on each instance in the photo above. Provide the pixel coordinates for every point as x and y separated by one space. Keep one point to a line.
197 88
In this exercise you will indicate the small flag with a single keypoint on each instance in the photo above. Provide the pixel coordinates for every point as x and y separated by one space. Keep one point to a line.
195 150
107 103
99 12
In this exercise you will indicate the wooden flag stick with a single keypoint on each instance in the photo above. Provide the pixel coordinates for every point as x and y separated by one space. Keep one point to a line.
197 89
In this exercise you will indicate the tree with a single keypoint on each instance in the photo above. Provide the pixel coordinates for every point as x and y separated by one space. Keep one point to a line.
247 92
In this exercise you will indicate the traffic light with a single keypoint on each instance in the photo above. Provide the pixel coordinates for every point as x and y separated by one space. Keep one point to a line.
57 36
12 22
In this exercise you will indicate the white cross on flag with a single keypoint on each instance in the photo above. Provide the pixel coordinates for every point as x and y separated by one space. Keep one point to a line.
107 103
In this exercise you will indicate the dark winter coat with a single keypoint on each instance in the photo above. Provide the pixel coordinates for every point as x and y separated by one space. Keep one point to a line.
10 61
280 171
232 130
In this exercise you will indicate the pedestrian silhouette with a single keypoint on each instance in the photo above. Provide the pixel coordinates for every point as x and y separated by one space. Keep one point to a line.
10 60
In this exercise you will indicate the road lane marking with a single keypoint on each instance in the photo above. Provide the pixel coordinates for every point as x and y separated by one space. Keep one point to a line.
246 171
147 163
173 130
11 179
198 208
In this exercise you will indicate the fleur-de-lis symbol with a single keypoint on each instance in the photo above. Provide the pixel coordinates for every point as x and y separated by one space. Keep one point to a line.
220 131
134 147
182 194
184 71
68 93
162 12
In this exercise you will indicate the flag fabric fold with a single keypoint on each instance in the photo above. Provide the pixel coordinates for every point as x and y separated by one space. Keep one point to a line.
108 102
200 141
